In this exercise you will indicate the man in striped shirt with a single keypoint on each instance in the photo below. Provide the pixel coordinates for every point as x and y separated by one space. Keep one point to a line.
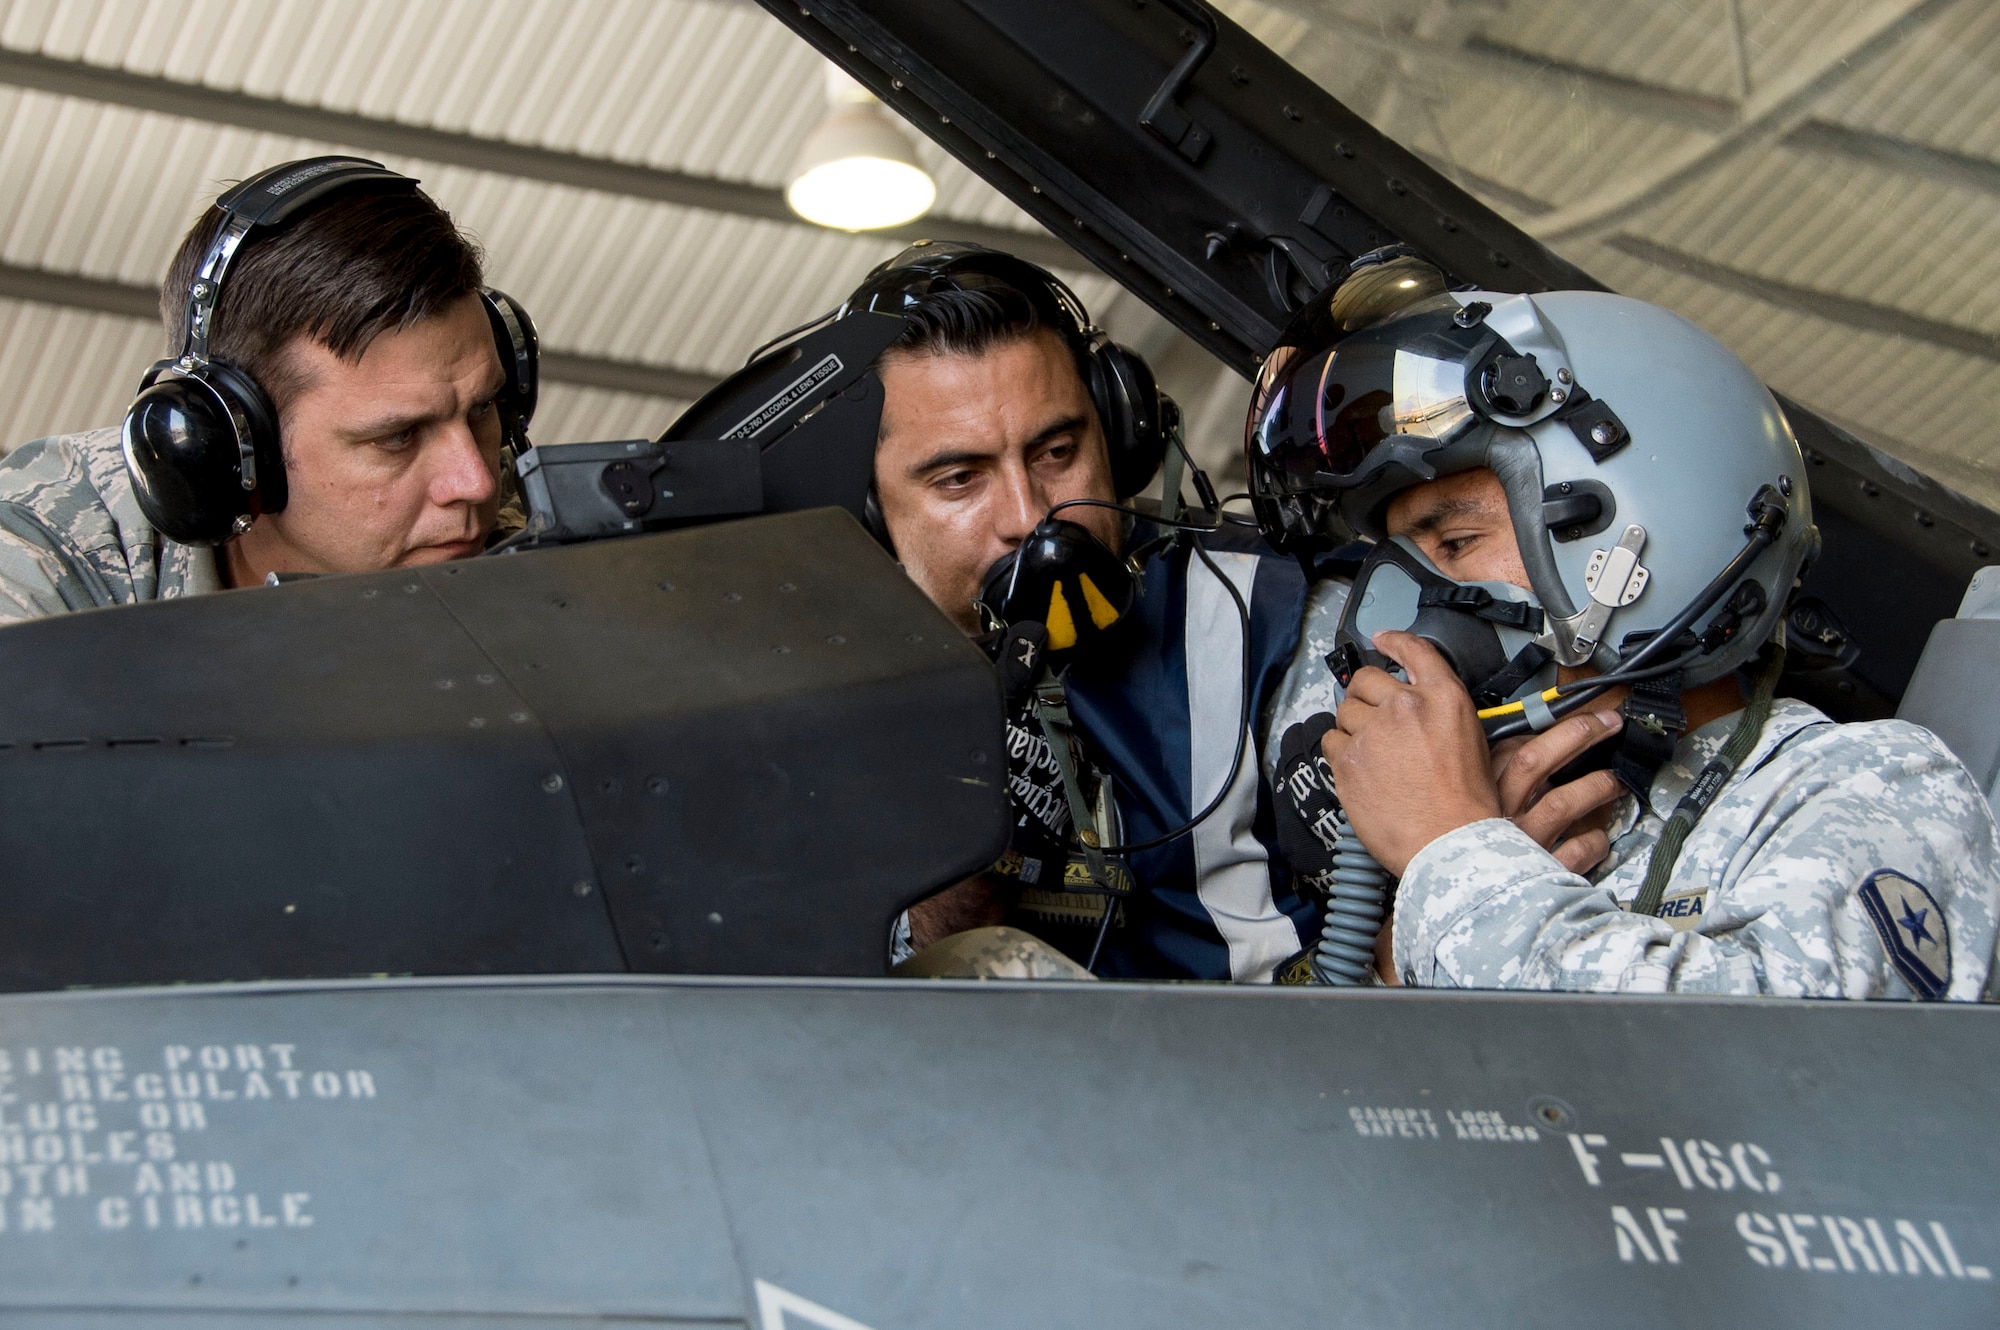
988 423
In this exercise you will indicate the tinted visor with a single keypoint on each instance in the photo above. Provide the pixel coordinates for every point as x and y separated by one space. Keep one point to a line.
1325 403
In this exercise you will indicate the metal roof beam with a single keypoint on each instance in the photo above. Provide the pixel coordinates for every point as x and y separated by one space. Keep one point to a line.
270 115
1658 102
1862 315
129 300
1691 110
1485 56
1772 112
1938 164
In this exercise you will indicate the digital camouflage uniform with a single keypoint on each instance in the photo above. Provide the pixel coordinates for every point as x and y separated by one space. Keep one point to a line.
72 536
1840 861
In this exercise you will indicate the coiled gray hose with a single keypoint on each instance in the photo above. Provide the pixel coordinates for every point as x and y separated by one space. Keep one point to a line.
1354 912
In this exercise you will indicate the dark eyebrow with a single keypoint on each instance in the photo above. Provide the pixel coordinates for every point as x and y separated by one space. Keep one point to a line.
966 457
1067 425
387 426
1441 512
945 461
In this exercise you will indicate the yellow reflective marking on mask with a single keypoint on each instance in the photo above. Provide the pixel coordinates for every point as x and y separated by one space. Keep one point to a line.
1101 612
1061 626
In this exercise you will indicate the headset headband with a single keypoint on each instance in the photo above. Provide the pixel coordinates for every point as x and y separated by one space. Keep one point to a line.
929 266
268 198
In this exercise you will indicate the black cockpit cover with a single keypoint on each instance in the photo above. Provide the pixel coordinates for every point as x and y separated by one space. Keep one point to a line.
737 749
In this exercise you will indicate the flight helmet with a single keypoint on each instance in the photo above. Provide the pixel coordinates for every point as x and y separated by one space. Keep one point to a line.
1656 492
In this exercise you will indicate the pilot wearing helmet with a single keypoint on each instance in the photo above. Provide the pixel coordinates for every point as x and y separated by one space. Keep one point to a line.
1589 517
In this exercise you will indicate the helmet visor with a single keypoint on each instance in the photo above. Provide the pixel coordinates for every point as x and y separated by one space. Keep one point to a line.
1321 415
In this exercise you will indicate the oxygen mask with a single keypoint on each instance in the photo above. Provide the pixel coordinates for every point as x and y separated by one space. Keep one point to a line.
1490 632
1063 578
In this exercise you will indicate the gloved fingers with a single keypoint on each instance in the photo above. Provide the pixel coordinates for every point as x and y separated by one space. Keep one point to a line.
1306 810
1301 740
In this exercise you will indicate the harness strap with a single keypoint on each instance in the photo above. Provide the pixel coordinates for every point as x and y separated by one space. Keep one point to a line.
1052 710
1527 662
1482 604
1708 785
1654 723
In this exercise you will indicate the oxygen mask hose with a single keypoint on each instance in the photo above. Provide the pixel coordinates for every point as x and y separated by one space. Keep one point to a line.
1356 904
1319 843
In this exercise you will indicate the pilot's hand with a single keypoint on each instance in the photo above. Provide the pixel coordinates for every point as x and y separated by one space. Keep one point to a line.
1570 820
1409 759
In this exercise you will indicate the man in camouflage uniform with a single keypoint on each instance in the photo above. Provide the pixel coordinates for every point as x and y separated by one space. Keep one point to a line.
1838 861
1739 843
361 321
72 536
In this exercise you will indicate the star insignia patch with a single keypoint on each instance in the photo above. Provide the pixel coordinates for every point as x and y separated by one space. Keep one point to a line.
1913 931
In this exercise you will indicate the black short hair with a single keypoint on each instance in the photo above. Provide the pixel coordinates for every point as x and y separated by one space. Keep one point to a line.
355 266
977 312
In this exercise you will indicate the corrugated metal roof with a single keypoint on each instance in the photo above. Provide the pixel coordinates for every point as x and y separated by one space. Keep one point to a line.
713 89
1539 106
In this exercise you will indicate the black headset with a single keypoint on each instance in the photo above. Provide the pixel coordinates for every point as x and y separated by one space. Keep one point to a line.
1136 416
201 438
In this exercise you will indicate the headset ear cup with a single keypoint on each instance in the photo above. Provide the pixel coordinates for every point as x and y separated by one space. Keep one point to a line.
267 447
182 444
519 345
153 375
1128 405
871 518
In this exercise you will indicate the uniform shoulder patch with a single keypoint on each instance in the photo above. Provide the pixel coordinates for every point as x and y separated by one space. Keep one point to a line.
1913 930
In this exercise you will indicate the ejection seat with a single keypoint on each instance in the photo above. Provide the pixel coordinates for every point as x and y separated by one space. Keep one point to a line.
1953 691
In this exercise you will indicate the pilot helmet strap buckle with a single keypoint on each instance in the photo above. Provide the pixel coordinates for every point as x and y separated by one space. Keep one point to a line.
1596 426
1481 603
1397 588
1654 722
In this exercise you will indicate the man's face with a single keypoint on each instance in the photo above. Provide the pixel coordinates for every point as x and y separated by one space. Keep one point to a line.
975 450
1460 522
392 460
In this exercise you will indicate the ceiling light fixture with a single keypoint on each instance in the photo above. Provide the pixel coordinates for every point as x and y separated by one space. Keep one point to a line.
858 169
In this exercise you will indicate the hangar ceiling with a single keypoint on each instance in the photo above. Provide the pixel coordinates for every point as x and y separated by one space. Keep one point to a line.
1816 181
621 161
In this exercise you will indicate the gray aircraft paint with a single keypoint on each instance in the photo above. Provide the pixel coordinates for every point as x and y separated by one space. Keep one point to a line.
906 1154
